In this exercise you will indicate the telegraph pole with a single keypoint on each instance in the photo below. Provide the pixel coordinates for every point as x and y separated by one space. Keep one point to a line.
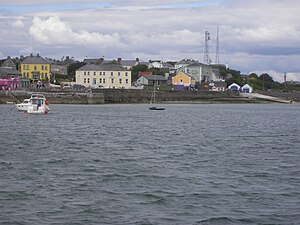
284 76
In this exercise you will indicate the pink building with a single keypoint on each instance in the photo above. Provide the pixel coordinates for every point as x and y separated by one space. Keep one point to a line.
9 83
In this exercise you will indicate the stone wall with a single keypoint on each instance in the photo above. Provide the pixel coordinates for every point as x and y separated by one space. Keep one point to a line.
132 96
144 96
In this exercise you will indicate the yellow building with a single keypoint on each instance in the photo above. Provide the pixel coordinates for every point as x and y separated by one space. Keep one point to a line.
183 79
35 68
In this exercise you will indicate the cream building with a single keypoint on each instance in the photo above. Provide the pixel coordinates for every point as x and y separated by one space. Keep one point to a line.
109 75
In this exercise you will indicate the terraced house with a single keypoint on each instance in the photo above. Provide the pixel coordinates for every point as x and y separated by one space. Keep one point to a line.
108 75
35 68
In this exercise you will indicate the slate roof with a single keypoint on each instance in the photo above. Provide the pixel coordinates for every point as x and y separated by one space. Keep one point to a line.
68 61
32 59
129 63
123 62
196 64
6 72
155 77
186 61
9 63
103 67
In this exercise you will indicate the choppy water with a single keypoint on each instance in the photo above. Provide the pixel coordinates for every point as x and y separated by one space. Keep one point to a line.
124 164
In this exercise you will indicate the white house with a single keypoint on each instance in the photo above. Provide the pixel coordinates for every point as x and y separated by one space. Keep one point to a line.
247 89
234 87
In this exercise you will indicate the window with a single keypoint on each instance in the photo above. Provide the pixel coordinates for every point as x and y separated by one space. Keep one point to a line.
103 80
119 74
24 67
24 74
103 73
88 74
126 81
100 80
42 67
84 73
120 81
35 67
46 74
27 74
27 67
94 73
84 80
126 74
100 73
88 80
112 80
46 67
111 73
94 80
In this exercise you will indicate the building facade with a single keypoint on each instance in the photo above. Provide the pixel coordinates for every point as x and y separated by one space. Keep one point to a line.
104 75
183 79
35 68
151 80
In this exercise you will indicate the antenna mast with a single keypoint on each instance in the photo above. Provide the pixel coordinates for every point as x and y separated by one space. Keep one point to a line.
217 47
206 51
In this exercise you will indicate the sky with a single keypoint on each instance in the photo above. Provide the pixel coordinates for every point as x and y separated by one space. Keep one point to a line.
261 36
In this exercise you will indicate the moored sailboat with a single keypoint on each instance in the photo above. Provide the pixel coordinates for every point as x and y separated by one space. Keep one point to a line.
153 98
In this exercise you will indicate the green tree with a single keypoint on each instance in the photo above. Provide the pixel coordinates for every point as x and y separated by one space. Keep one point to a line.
136 69
72 69
266 81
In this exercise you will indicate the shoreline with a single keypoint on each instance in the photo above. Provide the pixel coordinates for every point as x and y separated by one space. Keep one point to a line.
116 96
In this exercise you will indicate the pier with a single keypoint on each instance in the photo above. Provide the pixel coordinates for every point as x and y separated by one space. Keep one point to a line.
266 97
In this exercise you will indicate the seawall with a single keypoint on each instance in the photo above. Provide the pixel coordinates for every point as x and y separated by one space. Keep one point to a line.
130 96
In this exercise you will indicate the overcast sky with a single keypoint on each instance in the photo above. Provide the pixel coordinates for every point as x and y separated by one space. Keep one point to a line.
254 35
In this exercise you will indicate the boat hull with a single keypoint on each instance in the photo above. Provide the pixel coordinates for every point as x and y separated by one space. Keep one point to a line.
156 108
21 107
34 109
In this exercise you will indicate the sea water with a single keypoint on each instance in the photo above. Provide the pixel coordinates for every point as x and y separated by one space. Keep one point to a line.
125 164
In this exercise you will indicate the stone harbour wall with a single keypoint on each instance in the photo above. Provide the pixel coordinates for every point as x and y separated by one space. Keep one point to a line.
110 96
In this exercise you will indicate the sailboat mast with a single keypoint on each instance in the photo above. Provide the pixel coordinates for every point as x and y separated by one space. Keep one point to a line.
154 100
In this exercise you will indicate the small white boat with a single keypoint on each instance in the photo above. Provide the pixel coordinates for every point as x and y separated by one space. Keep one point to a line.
23 106
38 104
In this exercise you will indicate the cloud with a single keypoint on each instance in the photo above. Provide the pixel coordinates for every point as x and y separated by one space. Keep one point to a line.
256 35
18 24
114 2
27 50
53 31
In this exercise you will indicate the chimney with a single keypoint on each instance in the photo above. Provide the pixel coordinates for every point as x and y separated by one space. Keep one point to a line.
38 55
119 60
